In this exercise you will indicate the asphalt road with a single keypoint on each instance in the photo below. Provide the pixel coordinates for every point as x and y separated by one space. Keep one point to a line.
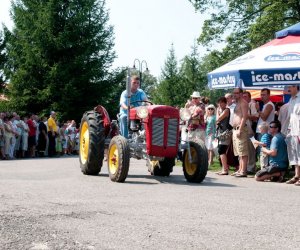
50 204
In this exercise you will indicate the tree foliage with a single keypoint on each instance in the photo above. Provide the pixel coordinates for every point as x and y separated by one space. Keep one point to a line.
3 60
169 88
112 88
59 55
253 21
177 83
149 82
190 72
240 25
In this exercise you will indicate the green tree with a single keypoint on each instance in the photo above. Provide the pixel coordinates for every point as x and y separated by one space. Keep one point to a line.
198 74
252 21
190 72
169 89
113 87
3 60
149 83
241 25
59 55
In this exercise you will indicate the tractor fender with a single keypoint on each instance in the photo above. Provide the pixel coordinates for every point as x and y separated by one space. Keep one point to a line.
105 117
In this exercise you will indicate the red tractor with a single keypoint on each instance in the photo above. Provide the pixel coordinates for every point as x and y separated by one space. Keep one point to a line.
154 135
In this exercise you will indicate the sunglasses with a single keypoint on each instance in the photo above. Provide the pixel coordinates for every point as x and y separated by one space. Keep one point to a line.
195 98
210 108
273 127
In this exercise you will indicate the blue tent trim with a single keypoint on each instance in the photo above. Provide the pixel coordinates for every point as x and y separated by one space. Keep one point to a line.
254 78
293 30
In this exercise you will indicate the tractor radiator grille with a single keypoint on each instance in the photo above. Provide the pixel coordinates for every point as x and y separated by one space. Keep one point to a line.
158 132
172 132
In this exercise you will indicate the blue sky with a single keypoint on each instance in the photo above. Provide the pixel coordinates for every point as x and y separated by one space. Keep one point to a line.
145 29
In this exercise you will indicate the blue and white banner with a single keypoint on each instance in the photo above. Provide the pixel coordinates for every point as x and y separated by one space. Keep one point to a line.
275 64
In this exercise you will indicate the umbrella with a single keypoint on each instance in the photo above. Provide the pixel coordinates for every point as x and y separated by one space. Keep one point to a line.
273 65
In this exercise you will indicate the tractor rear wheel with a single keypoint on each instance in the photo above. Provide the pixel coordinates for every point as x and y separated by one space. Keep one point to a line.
118 158
91 141
164 168
196 170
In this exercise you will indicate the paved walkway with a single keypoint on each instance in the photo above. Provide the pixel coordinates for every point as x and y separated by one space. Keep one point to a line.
50 204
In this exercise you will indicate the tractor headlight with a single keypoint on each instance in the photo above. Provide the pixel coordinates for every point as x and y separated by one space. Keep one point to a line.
185 114
142 112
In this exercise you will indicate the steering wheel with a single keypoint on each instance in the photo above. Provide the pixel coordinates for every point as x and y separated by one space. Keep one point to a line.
142 102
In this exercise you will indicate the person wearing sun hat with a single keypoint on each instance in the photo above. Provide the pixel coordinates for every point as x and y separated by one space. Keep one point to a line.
196 125
196 94
211 106
195 100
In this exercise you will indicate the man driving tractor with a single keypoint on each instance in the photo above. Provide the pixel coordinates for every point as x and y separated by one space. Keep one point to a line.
136 98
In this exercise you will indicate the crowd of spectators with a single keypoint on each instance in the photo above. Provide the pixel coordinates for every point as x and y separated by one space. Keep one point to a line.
240 128
32 136
246 133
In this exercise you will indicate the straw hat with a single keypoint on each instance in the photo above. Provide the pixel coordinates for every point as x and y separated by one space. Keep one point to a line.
196 94
211 106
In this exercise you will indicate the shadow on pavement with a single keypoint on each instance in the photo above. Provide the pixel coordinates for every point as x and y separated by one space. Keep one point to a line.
46 158
140 182
105 175
178 180
172 179
209 181
127 181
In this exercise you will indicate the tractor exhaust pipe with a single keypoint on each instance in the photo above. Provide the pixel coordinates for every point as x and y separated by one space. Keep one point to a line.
128 90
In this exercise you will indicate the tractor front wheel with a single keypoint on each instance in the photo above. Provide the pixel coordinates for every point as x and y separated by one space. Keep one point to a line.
118 158
91 143
196 169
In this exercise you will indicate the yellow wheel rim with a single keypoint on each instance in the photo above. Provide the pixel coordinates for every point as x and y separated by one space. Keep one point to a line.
191 167
113 160
84 142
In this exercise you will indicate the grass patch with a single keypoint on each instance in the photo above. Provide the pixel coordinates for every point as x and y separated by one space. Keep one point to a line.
215 167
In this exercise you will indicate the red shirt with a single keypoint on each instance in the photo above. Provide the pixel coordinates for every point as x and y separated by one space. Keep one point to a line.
32 128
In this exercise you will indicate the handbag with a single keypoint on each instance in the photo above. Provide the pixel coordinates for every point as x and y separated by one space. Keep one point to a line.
226 128
225 135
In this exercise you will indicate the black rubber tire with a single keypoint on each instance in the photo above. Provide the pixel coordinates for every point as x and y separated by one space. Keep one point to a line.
165 167
122 146
94 161
200 159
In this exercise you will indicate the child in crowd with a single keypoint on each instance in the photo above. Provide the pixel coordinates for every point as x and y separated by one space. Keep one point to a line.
59 139
71 131
77 141
65 139
265 141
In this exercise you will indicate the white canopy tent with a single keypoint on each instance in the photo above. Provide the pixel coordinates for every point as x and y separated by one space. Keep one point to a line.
273 65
